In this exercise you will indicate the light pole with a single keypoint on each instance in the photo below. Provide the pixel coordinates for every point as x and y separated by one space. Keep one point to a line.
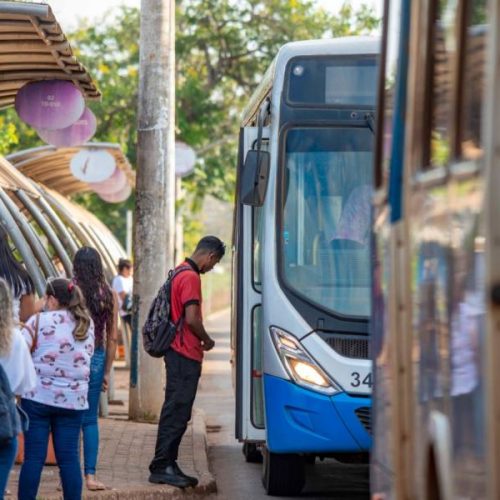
154 227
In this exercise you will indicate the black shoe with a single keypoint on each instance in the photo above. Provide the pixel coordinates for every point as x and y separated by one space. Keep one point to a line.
170 476
179 472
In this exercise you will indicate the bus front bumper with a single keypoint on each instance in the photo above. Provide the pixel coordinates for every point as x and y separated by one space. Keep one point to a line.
299 420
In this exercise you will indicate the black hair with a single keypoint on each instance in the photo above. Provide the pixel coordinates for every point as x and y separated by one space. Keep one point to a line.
11 270
89 276
124 264
211 244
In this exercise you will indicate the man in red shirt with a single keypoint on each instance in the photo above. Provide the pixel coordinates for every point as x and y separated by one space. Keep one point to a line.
183 361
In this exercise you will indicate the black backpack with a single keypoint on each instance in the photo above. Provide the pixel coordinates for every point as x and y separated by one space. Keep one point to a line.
9 417
159 330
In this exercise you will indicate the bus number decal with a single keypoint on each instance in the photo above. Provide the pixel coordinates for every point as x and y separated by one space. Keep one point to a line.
356 380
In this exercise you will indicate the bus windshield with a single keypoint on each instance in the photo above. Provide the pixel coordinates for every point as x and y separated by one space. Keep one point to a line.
325 223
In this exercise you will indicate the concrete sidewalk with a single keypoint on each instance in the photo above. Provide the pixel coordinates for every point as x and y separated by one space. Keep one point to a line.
126 448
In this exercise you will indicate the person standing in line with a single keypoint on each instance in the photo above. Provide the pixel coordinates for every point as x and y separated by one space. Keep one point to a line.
20 282
17 364
102 304
122 285
183 362
61 341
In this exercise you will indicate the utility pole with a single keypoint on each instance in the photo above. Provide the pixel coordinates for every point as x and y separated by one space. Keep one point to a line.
154 227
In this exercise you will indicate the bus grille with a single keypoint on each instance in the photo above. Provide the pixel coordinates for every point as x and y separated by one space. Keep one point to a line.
364 415
349 347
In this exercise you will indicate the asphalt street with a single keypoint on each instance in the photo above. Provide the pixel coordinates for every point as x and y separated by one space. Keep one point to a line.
236 479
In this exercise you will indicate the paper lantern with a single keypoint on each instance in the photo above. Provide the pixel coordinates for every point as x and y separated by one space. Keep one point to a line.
117 197
92 166
75 135
49 104
185 158
114 184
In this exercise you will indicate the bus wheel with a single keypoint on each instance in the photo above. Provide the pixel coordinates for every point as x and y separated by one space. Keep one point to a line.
252 453
283 474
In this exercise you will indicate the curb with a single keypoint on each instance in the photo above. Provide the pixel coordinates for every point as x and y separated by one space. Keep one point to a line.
205 487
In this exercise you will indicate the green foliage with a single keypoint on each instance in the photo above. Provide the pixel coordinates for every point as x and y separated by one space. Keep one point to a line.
223 48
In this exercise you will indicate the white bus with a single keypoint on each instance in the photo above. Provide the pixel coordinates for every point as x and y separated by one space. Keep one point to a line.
436 328
302 259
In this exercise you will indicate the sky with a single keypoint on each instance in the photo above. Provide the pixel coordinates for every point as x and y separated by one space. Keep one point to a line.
68 12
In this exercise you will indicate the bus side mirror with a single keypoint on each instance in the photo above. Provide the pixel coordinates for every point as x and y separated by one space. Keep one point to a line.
254 178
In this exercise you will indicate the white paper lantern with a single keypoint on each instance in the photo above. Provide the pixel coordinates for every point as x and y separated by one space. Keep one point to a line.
185 158
92 166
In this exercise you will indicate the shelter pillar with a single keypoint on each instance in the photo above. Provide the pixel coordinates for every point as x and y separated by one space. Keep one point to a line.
154 227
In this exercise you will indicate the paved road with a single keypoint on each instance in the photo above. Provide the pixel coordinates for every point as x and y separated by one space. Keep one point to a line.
236 479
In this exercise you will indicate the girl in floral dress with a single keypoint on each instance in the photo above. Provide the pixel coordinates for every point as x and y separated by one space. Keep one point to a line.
61 341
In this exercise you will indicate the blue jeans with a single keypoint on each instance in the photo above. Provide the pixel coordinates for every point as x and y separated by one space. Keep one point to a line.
65 426
90 421
7 457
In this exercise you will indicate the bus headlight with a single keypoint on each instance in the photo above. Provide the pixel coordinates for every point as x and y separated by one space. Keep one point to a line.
301 367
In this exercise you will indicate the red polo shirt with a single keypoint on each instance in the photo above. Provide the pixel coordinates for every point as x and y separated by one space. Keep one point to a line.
186 290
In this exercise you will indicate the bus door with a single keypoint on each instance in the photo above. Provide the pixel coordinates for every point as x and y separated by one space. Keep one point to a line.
247 315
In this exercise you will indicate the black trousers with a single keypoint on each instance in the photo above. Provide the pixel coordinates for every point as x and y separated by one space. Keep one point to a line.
182 382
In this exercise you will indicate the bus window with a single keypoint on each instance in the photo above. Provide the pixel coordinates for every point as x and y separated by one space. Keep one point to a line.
473 85
258 226
257 396
325 230
444 47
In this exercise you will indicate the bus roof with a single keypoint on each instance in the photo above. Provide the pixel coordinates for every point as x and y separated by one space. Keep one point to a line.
334 46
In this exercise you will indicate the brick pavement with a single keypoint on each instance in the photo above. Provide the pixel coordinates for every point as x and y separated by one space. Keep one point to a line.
126 449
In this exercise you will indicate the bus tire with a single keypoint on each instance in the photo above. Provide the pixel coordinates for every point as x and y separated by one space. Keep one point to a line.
252 453
283 474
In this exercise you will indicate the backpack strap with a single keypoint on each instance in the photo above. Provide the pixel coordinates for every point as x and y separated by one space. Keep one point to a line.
33 334
179 324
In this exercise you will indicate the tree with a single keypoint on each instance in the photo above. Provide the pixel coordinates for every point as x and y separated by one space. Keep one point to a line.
223 48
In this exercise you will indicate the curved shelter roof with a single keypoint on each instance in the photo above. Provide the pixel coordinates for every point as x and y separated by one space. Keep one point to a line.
44 225
34 47
51 166
11 179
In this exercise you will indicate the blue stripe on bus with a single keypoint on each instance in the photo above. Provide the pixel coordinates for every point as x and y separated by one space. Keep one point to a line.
299 420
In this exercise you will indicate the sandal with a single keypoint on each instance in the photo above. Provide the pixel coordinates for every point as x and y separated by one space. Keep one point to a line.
93 484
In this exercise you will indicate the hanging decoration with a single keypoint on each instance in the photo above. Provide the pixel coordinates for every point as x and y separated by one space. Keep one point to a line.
92 166
114 184
49 104
118 197
75 135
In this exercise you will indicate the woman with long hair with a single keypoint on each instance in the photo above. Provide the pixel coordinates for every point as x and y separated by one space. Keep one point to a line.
61 341
21 285
16 362
102 303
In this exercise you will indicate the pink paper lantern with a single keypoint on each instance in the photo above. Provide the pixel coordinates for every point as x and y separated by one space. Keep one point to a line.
113 185
75 135
117 197
51 104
